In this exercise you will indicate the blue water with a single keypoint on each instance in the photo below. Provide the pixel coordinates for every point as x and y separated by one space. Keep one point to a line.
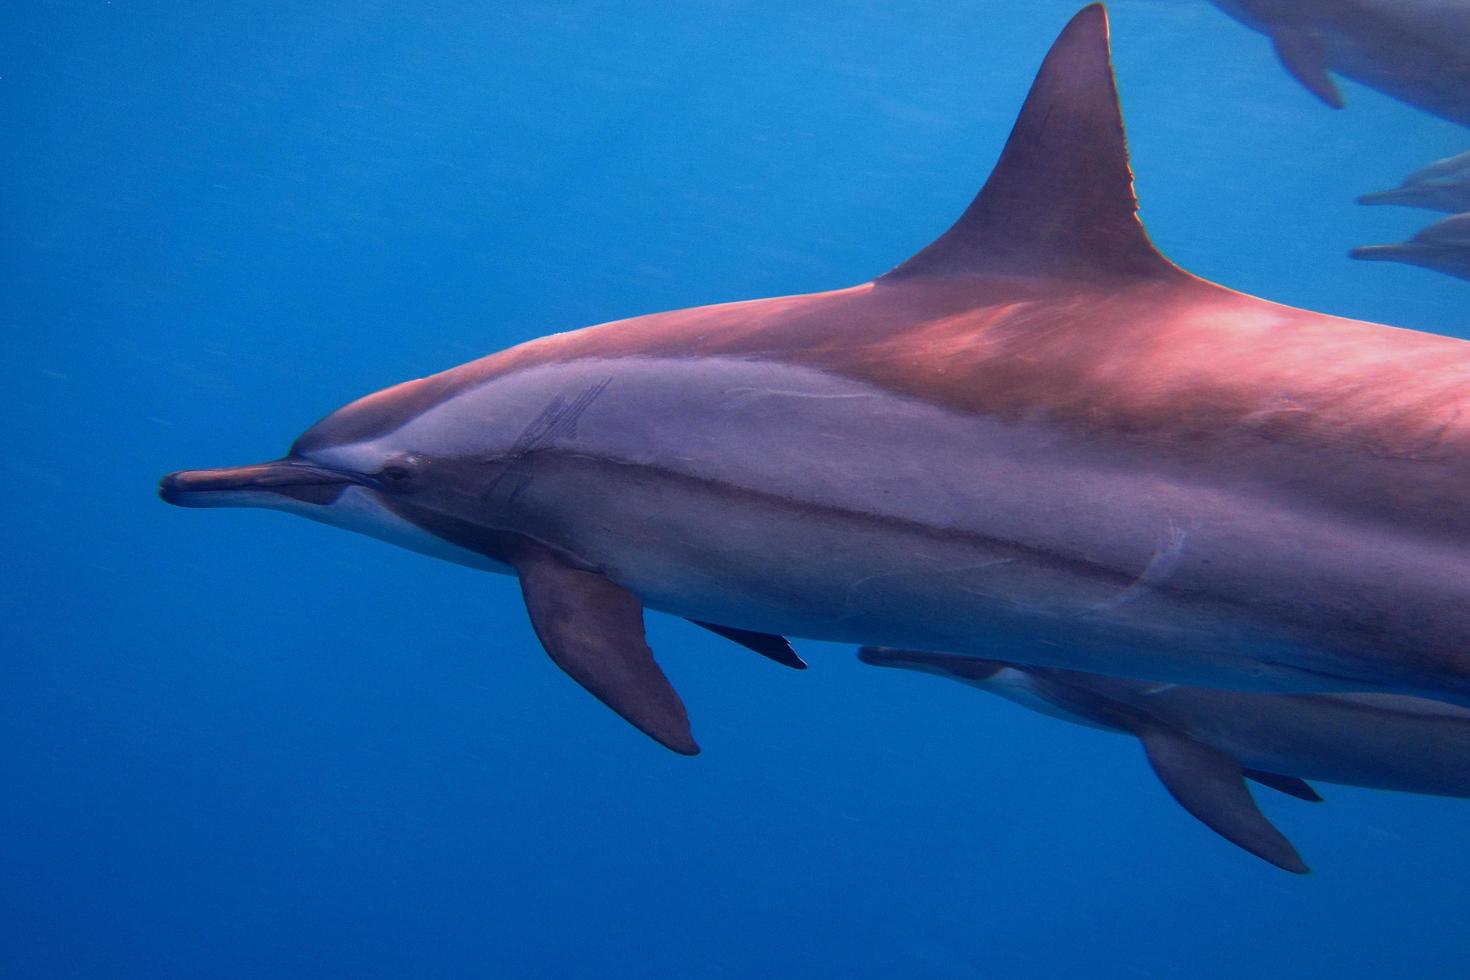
237 744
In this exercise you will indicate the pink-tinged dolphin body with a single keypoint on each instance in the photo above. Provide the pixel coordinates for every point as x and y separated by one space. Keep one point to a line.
1203 743
1036 438
1417 51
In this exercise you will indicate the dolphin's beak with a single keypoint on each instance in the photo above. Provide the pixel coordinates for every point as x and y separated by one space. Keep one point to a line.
272 484
1391 196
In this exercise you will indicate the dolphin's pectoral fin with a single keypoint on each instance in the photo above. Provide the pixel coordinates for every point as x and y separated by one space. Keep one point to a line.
768 645
1303 57
593 630
1290 785
1211 786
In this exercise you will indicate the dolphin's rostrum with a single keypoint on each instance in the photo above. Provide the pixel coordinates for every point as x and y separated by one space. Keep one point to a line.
1035 435
1443 185
1443 246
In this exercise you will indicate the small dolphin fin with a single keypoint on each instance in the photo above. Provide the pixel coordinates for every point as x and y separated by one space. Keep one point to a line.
1060 201
768 645
1303 57
1290 785
593 630
1210 785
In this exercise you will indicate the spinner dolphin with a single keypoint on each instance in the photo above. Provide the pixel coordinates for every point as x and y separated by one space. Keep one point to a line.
1036 438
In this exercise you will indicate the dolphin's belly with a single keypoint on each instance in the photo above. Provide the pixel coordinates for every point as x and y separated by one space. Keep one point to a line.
780 498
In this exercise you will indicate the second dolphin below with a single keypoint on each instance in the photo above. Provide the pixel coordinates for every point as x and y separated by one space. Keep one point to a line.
1204 743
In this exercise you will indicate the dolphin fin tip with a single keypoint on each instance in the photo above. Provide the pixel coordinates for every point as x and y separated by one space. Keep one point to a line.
1302 55
1211 786
769 645
593 630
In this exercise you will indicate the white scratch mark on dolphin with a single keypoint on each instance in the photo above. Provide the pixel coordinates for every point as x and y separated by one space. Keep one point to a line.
810 395
1160 568
848 612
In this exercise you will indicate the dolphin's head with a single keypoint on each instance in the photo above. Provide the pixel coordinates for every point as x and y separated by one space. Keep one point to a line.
369 467
970 670
1443 246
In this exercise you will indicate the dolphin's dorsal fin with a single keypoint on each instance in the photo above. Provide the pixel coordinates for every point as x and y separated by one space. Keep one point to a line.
1060 202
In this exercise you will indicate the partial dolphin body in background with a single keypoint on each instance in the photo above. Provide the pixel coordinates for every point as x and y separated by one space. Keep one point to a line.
1036 435
1442 186
1444 247
1204 743
1417 51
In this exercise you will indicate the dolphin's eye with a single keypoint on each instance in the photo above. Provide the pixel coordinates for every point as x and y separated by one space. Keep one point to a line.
398 471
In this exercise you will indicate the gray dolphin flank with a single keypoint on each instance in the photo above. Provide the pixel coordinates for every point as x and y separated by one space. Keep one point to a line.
1443 185
1203 743
1036 434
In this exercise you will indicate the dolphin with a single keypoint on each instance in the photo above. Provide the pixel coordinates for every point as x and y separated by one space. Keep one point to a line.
1035 434
1443 246
1442 186
1417 51
1204 743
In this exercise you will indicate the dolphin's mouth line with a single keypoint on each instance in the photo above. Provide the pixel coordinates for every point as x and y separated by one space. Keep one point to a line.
292 478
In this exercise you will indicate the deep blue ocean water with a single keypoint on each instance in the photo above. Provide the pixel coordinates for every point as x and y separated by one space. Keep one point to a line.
238 744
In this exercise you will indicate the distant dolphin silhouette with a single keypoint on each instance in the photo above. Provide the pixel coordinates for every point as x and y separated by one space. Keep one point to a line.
1035 435
1204 743
1417 51
1444 247
1442 186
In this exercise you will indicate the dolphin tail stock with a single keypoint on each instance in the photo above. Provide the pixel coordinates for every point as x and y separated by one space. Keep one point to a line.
1060 201
1211 786
593 630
